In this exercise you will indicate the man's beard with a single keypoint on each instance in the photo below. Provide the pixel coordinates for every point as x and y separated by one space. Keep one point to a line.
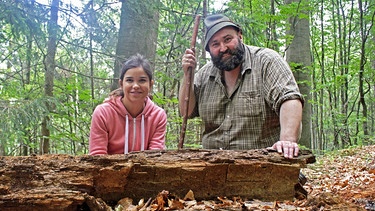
232 62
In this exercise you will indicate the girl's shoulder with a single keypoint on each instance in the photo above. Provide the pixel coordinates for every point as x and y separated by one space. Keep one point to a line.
153 108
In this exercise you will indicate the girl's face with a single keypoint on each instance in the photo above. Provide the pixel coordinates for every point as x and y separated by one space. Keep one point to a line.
136 85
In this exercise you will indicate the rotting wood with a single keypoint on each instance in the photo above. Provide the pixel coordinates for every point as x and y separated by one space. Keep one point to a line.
65 182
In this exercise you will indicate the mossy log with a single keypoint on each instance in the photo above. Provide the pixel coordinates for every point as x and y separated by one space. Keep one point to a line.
65 182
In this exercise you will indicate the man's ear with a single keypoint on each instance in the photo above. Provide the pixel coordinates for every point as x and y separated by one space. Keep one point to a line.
240 35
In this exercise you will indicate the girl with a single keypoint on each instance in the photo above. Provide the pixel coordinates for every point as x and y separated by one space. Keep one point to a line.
128 120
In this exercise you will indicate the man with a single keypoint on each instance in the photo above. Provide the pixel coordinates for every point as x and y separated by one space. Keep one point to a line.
246 96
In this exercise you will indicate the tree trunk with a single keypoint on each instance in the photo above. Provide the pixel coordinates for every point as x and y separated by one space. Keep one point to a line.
372 105
138 33
364 36
50 71
65 182
25 143
344 33
272 34
320 107
299 56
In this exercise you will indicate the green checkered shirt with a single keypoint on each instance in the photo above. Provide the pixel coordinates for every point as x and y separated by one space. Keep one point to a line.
247 119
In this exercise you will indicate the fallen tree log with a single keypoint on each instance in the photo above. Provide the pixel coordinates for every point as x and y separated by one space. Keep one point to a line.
65 182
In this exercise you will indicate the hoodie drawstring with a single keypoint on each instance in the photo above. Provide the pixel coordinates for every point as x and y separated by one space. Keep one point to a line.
126 144
143 133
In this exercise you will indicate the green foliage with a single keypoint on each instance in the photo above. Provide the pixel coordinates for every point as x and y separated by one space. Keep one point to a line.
86 46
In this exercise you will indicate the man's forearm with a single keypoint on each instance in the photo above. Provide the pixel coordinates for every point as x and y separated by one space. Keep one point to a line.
182 99
290 120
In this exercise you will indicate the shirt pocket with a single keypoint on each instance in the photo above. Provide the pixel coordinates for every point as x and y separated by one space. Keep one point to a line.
249 104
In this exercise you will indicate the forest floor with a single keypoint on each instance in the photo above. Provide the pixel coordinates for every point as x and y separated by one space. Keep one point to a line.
343 180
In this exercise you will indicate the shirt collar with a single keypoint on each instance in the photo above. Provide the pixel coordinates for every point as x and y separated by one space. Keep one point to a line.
246 65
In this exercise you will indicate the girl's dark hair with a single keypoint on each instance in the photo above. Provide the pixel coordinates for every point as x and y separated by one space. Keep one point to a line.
134 61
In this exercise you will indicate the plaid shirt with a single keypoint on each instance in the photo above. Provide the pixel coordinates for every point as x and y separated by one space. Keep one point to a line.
248 118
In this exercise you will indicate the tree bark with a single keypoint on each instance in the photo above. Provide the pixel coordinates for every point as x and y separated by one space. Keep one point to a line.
138 33
64 182
50 72
298 54
364 31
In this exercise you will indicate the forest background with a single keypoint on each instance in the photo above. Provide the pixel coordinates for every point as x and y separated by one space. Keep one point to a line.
60 58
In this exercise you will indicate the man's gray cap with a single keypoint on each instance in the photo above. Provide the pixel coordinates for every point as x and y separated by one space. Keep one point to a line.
214 23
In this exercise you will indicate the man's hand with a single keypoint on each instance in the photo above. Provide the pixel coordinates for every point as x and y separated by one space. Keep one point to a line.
289 148
188 60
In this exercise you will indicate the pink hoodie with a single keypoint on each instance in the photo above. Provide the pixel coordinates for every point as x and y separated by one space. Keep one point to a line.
114 131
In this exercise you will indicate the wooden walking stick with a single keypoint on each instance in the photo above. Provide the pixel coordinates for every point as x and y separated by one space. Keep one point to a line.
188 83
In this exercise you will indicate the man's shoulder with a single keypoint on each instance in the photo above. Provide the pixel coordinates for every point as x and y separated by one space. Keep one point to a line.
208 66
207 69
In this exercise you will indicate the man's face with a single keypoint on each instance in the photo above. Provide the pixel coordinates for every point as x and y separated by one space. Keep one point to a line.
226 49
